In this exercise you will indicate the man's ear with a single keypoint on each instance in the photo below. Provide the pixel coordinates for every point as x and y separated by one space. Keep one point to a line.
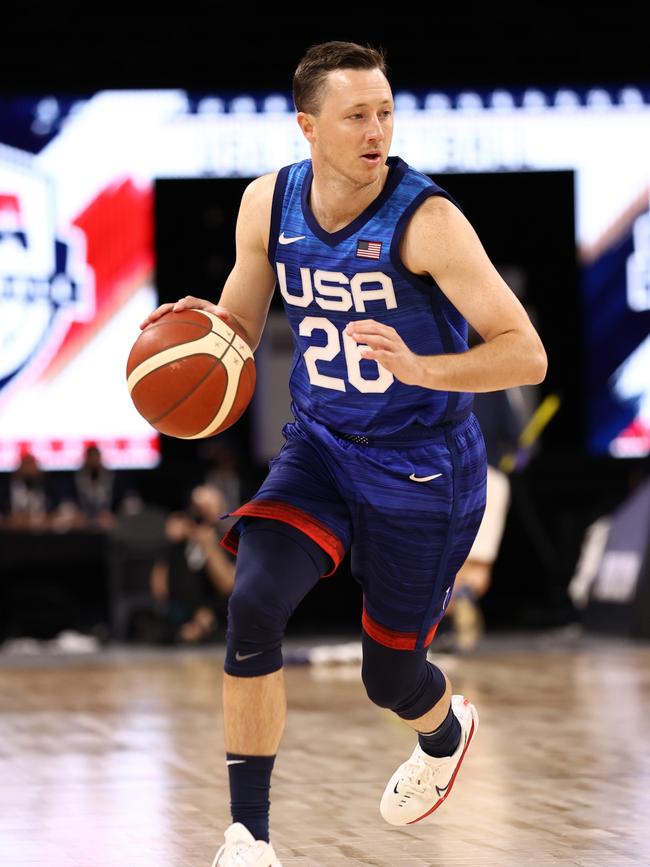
306 123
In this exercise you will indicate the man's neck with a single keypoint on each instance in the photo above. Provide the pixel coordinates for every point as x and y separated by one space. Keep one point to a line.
335 201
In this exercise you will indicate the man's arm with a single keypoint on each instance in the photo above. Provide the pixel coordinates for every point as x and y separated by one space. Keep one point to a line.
441 242
246 295
220 569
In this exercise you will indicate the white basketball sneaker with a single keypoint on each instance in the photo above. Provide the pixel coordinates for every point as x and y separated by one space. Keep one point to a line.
241 849
421 784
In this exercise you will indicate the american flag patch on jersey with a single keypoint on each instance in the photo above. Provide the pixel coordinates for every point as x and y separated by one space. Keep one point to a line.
369 249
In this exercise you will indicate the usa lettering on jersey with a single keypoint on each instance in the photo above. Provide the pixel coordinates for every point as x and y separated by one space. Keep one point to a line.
329 290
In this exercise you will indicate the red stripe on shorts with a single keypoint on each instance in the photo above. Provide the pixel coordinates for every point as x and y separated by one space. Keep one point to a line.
392 638
317 531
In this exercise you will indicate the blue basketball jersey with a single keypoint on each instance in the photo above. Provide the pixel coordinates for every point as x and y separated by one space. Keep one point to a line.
328 279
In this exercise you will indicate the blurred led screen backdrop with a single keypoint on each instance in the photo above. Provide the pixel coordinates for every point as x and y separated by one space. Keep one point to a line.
77 264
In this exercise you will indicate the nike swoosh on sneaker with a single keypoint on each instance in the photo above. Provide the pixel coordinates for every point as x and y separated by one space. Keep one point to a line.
441 789
284 240
415 478
240 657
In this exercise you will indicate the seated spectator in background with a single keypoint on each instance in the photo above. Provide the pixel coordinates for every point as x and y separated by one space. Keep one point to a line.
28 499
197 575
94 490
93 497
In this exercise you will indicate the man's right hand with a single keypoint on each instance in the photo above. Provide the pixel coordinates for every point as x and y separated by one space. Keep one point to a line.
197 304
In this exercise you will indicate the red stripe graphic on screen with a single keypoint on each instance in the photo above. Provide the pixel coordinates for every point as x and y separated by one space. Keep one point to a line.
118 225
10 219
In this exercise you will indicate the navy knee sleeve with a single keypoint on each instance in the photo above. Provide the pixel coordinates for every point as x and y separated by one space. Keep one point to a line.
402 680
277 564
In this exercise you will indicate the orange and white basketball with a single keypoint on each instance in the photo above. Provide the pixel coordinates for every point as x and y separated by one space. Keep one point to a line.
190 375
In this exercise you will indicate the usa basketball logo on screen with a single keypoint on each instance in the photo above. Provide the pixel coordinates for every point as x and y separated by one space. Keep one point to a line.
45 282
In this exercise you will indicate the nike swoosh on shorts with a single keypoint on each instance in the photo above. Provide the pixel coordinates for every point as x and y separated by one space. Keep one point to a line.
423 478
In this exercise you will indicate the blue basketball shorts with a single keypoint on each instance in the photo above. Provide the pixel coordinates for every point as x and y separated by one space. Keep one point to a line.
408 513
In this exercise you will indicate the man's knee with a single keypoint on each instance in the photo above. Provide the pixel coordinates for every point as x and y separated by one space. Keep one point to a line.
401 680
256 625
254 636
256 613
276 566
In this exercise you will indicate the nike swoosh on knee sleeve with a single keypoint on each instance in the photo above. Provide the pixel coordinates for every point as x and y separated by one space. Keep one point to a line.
240 657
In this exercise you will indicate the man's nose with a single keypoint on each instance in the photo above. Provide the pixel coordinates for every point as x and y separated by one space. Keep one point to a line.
375 129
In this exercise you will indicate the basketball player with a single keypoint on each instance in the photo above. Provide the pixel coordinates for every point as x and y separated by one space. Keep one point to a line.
379 272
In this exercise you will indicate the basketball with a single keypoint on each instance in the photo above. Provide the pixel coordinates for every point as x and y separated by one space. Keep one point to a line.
190 375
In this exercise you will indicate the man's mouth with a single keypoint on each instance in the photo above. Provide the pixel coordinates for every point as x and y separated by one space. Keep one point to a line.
372 157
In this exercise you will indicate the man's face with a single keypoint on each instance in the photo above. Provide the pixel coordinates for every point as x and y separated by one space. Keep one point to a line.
93 458
356 119
208 502
29 466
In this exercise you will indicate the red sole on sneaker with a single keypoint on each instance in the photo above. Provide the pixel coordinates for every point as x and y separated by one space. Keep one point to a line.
451 782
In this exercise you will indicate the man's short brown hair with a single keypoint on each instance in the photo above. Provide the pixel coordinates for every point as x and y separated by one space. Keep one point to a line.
320 59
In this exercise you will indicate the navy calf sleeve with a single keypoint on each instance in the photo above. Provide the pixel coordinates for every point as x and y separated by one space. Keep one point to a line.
250 781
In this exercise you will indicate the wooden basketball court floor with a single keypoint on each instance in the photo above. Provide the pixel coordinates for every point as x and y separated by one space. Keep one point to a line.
116 758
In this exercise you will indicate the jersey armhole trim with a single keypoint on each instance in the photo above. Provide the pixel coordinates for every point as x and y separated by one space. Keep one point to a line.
276 211
415 279
419 283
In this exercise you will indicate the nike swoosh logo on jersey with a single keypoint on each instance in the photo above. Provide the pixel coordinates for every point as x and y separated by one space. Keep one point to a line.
284 240
240 657
415 478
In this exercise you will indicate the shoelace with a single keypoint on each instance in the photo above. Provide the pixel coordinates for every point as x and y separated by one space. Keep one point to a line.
416 777
237 853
